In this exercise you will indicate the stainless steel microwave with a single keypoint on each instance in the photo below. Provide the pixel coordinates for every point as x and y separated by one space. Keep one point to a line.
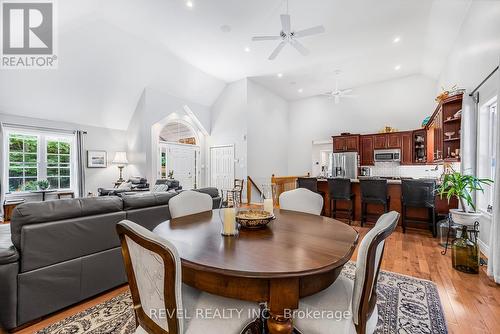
387 155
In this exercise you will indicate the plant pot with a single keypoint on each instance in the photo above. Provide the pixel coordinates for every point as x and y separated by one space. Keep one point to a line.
464 218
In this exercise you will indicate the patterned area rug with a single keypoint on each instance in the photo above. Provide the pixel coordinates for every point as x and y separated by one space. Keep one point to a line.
406 305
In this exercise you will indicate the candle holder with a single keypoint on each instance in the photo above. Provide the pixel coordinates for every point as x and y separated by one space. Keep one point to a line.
227 216
268 197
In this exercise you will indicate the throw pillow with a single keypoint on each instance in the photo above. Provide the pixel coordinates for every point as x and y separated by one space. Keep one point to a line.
125 185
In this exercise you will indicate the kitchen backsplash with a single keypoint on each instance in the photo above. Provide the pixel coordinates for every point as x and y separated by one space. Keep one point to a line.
394 169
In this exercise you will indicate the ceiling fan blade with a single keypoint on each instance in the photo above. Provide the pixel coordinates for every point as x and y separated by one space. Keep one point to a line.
266 38
350 96
277 50
299 47
309 31
337 99
285 23
345 91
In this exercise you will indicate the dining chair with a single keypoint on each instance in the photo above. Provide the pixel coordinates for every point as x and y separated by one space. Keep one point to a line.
162 303
302 200
357 299
189 203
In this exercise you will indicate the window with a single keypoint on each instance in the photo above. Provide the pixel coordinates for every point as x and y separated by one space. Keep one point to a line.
35 156
487 159
23 158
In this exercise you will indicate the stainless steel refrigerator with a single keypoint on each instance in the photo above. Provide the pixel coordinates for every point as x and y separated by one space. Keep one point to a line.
344 165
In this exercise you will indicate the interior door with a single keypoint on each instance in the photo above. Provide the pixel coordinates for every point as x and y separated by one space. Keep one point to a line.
222 167
182 160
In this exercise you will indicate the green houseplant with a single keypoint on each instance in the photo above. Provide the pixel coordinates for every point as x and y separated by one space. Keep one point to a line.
43 184
461 186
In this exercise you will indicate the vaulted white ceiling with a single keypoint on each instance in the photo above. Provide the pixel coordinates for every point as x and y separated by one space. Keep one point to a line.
109 50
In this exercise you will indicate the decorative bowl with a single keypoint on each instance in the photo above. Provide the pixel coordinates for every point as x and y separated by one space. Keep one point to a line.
449 134
254 219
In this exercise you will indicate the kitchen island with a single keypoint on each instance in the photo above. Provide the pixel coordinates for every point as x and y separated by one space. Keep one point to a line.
394 191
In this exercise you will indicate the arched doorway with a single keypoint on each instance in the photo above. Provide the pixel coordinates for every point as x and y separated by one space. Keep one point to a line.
179 153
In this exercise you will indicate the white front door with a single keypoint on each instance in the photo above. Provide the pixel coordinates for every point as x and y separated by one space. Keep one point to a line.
183 161
222 167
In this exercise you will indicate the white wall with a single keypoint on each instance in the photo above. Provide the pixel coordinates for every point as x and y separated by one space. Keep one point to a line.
229 123
475 54
267 133
97 138
401 103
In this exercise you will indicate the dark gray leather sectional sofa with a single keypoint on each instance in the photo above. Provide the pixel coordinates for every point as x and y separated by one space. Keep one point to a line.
58 253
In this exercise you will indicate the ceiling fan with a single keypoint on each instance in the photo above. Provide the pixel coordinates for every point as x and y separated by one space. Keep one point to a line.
338 93
287 36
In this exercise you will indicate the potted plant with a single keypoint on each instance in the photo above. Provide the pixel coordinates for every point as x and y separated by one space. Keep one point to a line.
43 184
461 186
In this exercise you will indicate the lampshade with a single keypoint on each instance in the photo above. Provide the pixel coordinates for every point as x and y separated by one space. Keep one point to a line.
120 158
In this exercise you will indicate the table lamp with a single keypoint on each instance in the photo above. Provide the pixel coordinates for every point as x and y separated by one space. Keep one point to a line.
120 160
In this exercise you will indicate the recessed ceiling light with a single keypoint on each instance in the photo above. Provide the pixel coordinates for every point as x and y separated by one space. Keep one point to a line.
225 28
300 90
247 49
279 75
397 67
189 4
396 39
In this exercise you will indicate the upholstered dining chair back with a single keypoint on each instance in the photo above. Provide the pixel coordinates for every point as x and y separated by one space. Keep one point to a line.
189 203
302 200
369 258
154 275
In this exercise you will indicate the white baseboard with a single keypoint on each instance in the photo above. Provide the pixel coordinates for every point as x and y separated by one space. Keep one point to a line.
483 247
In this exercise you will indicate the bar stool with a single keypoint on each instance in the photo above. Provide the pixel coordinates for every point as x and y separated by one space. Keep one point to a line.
310 183
340 190
419 194
373 191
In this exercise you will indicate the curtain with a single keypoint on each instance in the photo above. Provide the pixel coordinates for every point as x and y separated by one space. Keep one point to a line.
2 171
469 135
80 162
494 245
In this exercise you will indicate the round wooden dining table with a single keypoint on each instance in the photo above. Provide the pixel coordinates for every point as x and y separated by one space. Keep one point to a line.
295 256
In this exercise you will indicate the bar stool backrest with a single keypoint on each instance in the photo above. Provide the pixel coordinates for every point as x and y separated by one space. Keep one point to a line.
418 193
310 183
374 189
339 188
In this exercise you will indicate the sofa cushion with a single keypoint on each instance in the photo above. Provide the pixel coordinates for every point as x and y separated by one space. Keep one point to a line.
213 192
145 199
40 212
8 253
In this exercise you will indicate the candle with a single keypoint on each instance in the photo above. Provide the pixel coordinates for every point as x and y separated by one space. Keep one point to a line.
229 221
268 205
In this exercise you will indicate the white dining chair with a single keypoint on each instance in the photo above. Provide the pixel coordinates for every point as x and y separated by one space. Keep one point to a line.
302 200
162 303
189 203
355 301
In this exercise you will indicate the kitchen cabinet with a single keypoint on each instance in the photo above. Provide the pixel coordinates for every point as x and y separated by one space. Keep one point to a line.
366 150
348 143
380 142
393 140
406 140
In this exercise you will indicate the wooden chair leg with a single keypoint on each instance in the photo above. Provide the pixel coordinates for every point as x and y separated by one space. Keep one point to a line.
434 226
403 217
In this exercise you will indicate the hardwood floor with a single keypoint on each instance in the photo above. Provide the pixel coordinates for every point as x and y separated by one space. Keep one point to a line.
471 302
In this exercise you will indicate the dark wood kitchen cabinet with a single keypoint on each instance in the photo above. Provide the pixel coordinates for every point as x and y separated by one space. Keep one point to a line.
406 139
366 150
394 140
349 143
380 142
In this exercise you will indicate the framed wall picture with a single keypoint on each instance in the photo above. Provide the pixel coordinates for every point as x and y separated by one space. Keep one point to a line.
97 159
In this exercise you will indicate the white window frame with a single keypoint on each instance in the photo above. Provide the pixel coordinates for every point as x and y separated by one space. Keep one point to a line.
486 151
43 137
